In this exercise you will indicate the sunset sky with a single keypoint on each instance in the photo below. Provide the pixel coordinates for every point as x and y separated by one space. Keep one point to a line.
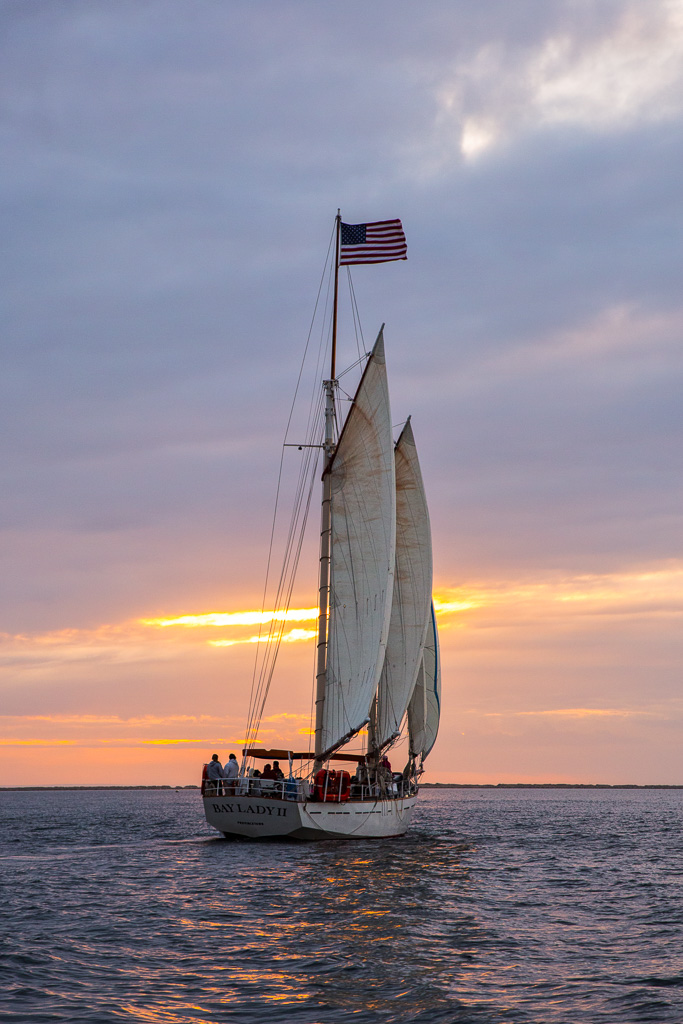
170 176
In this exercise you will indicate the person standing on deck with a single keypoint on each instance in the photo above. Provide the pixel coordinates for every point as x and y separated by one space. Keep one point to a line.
231 772
215 773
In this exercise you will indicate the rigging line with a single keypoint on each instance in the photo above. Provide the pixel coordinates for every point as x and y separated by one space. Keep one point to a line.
292 529
363 356
265 587
265 652
356 316
290 586
277 596
323 344
310 329
289 420
286 580
310 459
311 729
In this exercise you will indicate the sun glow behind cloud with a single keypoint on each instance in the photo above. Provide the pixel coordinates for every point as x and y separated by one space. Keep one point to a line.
236 618
632 71
652 591
293 636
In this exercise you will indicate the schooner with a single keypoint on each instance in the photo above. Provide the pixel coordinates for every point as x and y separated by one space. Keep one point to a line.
378 670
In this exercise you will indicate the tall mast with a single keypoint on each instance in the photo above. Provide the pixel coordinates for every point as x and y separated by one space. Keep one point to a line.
333 358
326 515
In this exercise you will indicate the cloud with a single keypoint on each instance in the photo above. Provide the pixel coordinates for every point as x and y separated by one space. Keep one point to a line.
650 591
92 731
139 641
575 713
575 73
634 73
237 618
653 591
294 636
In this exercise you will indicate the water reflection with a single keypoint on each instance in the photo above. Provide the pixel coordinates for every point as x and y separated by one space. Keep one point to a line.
355 926
497 907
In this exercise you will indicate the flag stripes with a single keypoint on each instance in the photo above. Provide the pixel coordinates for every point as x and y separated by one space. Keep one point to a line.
379 242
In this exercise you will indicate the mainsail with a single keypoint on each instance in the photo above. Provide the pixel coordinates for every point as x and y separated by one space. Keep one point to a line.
412 593
424 709
362 541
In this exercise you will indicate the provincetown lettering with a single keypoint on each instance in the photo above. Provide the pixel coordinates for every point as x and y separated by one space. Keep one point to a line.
279 812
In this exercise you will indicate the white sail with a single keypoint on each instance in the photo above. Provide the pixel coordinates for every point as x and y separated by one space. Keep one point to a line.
363 534
412 592
424 709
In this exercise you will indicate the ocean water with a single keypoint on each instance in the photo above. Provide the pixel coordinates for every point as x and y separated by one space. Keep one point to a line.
498 906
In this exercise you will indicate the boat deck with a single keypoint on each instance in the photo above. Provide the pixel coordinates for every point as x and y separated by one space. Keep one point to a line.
300 790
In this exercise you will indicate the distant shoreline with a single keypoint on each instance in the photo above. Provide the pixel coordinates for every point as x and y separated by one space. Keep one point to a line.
547 785
44 789
425 785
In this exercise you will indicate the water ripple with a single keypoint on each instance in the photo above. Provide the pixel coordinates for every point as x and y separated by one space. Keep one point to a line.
498 907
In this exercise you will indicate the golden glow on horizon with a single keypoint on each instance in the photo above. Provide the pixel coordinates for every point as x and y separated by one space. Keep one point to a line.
36 743
444 607
237 618
292 637
477 619
575 713
655 592
652 592
113 731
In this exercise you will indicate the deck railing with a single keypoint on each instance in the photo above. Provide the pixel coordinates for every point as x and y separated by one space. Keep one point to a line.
375 786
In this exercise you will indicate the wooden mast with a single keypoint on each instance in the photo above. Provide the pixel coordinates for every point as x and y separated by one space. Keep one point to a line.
326 516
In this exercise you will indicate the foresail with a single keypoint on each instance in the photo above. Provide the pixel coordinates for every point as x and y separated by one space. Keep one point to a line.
424 709
363 536
411 603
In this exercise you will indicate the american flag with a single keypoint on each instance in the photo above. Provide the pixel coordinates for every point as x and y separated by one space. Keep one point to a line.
372 243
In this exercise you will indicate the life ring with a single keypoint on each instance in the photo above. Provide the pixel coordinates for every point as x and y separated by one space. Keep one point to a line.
332 786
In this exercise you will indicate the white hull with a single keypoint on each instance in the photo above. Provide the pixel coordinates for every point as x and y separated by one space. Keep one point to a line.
252 817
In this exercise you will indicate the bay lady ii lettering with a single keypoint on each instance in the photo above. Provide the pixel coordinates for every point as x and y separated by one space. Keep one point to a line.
279 812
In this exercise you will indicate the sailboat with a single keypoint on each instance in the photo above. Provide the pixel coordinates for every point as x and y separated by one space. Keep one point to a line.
378 669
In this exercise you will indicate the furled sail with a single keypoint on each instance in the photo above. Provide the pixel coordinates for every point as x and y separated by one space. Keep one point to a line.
412 593
425 705
363 534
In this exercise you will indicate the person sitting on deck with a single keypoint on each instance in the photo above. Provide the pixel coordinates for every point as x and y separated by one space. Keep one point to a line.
277 771
215 774
231 772
267 772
